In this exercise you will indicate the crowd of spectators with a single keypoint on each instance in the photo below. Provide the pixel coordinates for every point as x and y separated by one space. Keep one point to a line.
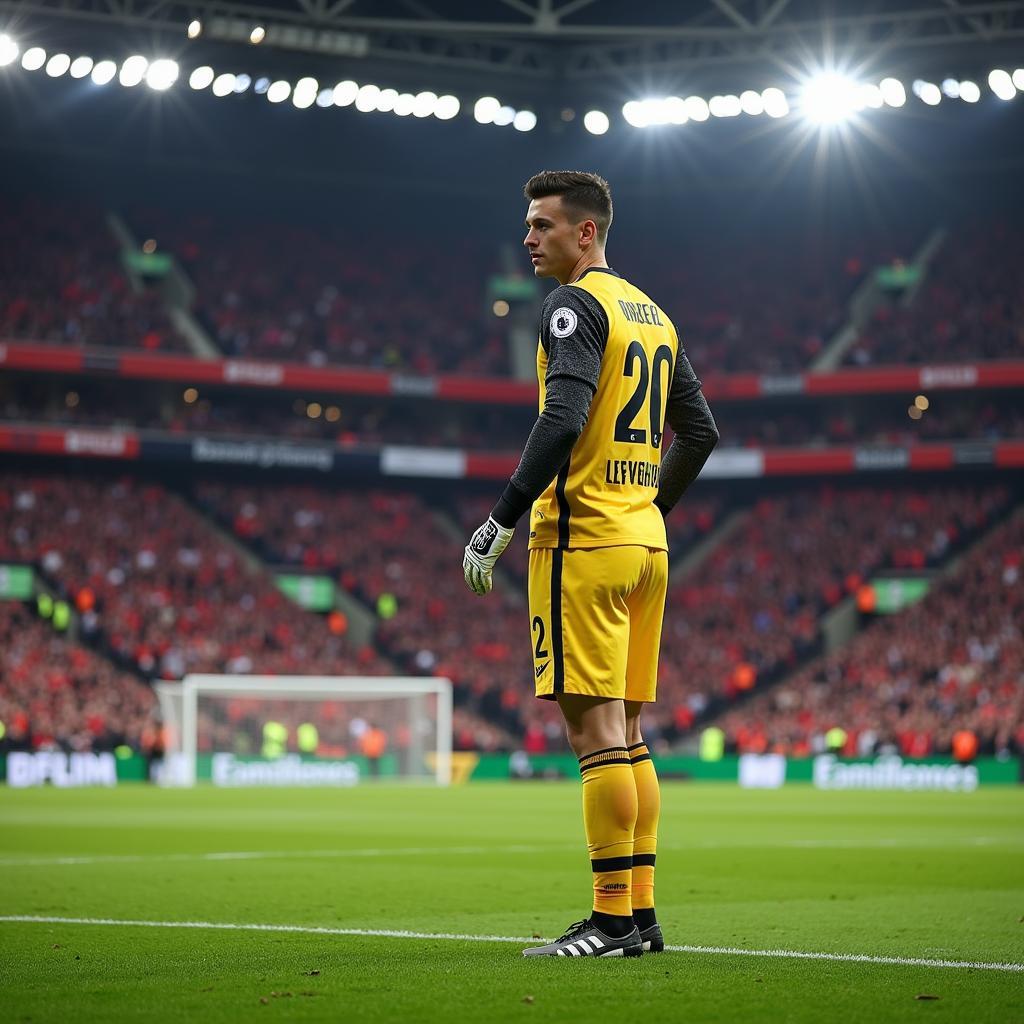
970 307
911 681
61 281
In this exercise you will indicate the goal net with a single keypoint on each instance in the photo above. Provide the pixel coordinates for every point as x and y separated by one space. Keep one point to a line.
305 730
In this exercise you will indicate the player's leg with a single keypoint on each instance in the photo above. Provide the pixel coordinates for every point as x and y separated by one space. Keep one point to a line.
646 607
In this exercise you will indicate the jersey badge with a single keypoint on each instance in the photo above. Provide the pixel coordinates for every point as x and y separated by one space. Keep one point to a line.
563 322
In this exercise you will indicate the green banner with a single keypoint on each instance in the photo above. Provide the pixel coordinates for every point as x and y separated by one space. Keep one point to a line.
898 275
893 595
148 264
16 582
314 593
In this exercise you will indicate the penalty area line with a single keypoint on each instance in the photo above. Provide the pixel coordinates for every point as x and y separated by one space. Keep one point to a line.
782 954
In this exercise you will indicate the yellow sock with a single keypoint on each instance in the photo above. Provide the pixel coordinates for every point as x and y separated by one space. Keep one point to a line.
609 814
645 836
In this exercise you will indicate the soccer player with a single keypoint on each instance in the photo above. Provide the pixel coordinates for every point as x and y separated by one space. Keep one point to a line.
611 371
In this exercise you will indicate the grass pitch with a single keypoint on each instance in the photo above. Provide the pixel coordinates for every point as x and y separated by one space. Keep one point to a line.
927 876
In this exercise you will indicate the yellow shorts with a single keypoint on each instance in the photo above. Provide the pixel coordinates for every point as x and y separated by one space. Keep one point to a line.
596 617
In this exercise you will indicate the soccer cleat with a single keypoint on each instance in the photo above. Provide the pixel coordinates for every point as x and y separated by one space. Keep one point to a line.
584 939
652 940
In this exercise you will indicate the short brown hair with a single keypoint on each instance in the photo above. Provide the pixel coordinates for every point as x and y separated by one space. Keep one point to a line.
584 194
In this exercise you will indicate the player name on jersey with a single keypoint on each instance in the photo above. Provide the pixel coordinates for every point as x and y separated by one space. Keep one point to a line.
641 312
629 471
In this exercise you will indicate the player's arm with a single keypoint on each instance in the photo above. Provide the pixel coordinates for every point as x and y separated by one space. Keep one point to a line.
688 415
574 332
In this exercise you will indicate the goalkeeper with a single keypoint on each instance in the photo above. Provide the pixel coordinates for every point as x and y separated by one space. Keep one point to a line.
610 371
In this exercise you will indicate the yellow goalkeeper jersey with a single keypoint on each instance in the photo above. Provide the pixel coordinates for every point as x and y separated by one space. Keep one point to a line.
603 494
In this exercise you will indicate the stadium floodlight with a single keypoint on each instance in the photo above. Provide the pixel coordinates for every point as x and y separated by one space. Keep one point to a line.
257 35
1000 83
870 95
133 70
33 58
103 72
927 92
242 82
195 29
448 107
505 115
224 85
951 88
404 104
596 122
1018 79
775 102
485 109
80 67
751 102
725 106
162 74
325 97
893 93
279 91
673 109
635 114
261 85
524 121
697 107
829 98
58 64
8 51
345 93
304 94
386 100
201 77
970 92
366 98
425 105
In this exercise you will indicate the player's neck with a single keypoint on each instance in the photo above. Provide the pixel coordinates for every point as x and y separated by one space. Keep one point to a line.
588 261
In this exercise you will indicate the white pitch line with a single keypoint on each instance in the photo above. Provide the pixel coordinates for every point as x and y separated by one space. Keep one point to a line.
786 954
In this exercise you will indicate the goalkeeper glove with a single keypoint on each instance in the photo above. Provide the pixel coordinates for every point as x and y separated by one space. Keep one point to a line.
482 552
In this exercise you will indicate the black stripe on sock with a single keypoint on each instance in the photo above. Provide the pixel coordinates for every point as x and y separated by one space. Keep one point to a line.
584 768
644 860
594 753
638 759
612 864
636 745
563 505
556 621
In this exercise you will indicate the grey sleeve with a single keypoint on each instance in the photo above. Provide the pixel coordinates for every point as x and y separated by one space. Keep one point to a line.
574 332
688 415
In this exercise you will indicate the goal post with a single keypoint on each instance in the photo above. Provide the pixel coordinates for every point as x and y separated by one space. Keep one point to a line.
305 730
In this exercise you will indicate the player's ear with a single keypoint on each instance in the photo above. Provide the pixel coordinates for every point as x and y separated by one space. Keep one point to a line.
588 234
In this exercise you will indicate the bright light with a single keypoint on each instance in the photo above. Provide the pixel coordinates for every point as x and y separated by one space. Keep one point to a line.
951 87
870 95
485 109
970 92
751 102
33 58
596 122
524 121
345 93
892 92
103 72
697 108
57 65
261 86
325 97
257 35
279 91
725 106
1017 78
133 70
242 82
999 82
404 104
195 29
386 100
927 92
504 116
201 77
162 74
305 92
81 66
635 114
425 105
8 51
674 110
775 102
448 107
366 98
829 98
224 85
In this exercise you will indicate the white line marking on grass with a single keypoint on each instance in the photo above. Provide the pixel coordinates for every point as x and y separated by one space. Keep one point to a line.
787 954
230 855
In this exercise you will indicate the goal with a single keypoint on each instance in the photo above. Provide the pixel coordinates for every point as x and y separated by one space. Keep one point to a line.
305 730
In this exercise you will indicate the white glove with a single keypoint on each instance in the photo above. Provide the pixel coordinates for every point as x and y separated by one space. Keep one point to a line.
482 552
